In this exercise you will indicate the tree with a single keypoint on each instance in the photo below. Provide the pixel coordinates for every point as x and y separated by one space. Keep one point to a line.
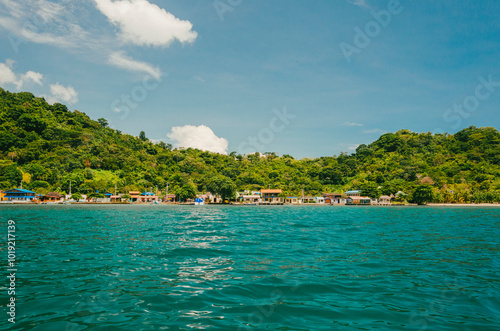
76 196
142 136
186 191
103 122
11 174
222 186
370 189
422 194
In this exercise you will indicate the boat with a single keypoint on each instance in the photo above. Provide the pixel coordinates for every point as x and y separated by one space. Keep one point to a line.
199 202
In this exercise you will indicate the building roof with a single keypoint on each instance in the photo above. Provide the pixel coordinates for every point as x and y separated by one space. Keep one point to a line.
251 196
292 197
359 198
53 195
272 190
385 197
134 192
148 193
18 190
353 191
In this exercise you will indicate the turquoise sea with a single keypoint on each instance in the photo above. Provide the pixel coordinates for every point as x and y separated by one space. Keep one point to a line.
155 267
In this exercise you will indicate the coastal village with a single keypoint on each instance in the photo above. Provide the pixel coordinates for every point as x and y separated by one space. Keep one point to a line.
262 197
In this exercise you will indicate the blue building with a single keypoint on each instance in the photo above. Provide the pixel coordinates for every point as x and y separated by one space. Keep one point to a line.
19 194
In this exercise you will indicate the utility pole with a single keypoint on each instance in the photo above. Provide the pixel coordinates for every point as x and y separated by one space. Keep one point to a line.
166 196
70 188
21 184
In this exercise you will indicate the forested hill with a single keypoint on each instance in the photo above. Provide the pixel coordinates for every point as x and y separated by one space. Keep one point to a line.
47 146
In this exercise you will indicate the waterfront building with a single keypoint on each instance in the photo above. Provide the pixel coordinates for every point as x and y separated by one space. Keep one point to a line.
357 200
271 196
19 195
51 197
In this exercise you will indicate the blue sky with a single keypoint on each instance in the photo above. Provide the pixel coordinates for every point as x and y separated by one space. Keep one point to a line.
303 78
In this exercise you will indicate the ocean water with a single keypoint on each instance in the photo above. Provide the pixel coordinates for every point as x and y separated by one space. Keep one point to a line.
154 267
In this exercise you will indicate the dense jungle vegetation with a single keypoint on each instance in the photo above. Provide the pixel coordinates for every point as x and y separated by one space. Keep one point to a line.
46 146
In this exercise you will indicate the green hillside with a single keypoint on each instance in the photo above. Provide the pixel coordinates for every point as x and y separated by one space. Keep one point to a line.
46 146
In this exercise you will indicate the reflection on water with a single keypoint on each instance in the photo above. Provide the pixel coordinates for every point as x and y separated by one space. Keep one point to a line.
213 267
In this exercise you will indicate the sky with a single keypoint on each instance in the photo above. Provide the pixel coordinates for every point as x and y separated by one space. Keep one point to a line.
307 79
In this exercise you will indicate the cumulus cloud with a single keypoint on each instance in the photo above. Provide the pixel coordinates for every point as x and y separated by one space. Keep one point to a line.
119 59
201 137
144 23
8 76
63 94
35 77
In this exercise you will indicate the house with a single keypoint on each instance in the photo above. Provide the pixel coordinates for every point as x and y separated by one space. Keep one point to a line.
357 200
134 195
247 198
354 193
319 200
148 197
270 196
2 194
292 200
213 198
19 195
169 198
51 197
307 200
334 198
384 200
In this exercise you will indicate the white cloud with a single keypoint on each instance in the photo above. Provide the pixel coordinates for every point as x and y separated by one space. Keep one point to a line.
42 22
119 59
352 124
199 78
359 3
201 137
73 27
64 94
144 23
352 147
375 131
8 76
36 77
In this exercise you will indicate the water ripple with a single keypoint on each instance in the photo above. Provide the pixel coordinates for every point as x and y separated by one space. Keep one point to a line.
252 268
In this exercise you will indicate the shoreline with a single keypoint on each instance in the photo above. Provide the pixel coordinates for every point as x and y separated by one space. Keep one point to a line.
251 205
